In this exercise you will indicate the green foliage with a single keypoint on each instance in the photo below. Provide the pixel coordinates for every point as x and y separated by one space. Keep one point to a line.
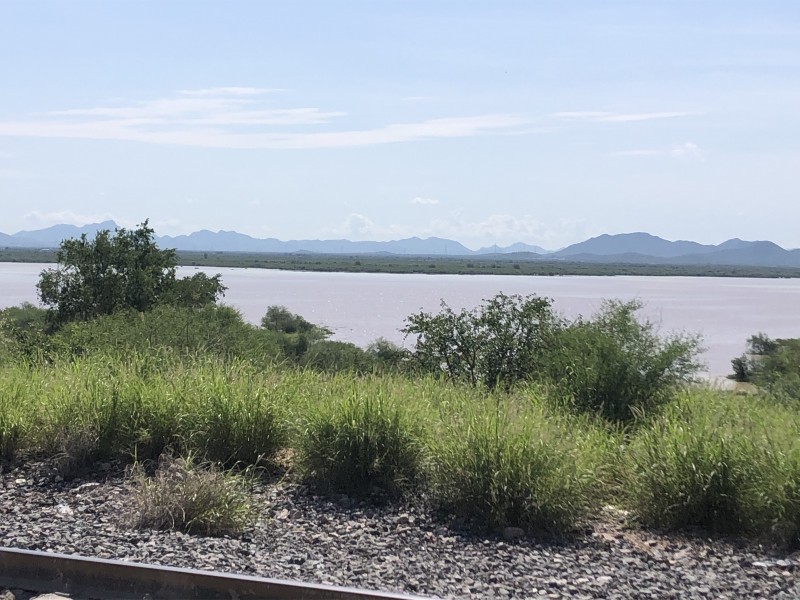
719 462
518 468
124 270
190 497
279 318
771 364
613 364
500 342
196 291
333 357
387 356
610 365
213 329
361 443
23 332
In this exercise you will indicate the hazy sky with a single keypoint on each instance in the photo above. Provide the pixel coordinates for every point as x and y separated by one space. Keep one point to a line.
487 122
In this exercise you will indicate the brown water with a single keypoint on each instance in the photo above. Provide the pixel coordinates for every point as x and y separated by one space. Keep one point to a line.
360 307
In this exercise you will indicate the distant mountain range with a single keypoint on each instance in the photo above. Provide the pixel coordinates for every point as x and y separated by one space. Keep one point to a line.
630 248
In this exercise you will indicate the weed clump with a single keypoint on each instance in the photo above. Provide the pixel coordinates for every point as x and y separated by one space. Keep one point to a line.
720 463
360 444
191 497
525 470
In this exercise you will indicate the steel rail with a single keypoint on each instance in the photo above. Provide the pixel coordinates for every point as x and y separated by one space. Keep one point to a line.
99 578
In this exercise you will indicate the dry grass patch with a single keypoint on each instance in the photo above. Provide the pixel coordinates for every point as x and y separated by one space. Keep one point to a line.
191 497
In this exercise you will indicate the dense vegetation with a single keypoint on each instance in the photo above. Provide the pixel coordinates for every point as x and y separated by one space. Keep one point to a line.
508 415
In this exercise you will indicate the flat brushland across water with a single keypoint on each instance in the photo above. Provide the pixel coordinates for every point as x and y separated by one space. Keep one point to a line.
507 264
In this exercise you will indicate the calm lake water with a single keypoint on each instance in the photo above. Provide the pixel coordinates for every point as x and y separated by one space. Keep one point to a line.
360 307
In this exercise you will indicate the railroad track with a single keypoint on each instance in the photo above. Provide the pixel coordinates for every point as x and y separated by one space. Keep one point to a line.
103 579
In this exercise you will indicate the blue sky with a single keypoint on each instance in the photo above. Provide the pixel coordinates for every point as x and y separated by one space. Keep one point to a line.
486 122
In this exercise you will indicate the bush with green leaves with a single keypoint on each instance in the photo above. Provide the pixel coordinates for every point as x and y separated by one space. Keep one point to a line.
333 356
117 271
361 443
609 365
279 318
614 364
771 364
719 462
501 342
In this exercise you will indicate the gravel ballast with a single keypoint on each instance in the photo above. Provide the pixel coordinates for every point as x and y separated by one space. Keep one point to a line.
406 548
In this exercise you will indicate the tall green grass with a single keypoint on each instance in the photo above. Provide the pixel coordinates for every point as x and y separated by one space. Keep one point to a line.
101 407
362 440
709 460
719 462
507 462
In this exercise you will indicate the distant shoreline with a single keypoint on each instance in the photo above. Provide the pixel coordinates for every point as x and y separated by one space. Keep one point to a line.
505 264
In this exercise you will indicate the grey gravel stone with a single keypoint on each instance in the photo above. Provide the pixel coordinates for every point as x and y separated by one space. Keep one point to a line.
343 541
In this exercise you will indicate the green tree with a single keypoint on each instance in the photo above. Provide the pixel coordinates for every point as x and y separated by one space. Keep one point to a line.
113 271
614 363
279 318
500 342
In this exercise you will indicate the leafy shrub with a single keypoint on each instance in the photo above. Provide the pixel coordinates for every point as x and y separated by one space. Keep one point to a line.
388 356
518 468
333 356
501 342
718 462
123 270
772 365
609 365
280 319
357 444
190 497
614 364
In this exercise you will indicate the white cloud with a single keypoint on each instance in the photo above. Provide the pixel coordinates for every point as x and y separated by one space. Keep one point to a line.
231 91
421 200
237 118
360 227
40 220
504 229
686 150
615 117
501 229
